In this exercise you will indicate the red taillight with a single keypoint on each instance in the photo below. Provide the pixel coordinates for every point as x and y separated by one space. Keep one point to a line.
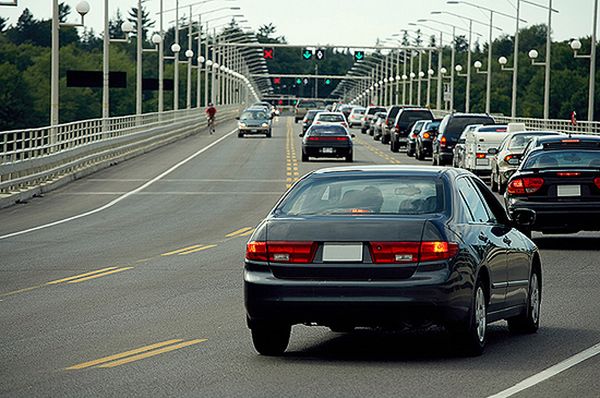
568 174
256 251
443 141
597 182
569 141
295 252
526 185
507 158
426 136
480 155
313 138
411 252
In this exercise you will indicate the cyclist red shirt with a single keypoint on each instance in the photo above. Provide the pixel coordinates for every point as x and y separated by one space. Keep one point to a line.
211 111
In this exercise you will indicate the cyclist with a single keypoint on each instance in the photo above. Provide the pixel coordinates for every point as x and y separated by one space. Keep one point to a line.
211 112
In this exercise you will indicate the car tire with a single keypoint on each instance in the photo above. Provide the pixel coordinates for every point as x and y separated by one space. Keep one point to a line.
363 131
271 339
304 157
350 158
394 146
493 182
473 334
240 135
384 140
529 321
409 152
501 187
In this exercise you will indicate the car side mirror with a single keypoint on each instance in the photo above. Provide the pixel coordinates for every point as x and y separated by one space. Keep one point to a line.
523 217
300 135
353 135
493 151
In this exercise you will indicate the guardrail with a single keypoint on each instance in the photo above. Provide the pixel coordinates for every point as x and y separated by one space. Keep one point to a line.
37 160
565 126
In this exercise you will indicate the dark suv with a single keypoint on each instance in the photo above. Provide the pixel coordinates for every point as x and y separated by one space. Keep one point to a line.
369 117
449 132
388 125
403 123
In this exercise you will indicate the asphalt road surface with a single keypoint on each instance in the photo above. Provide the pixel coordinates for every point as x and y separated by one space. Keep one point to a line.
139 292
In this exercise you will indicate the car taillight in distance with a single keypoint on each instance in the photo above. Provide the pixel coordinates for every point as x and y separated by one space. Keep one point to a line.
292 252
411 252
525 185
597 182
443 141
426 136
481 155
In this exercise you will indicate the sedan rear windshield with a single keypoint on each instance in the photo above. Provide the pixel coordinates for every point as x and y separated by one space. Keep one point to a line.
327 130
358 112
393 195
331 118
563 159
373 111
519 141
412 116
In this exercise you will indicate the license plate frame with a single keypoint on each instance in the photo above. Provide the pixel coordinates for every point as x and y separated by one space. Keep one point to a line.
568 191
335 252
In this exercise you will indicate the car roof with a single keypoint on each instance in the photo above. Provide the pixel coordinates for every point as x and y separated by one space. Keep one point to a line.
331 113
255 108
491 126
559 138
459 114
389 169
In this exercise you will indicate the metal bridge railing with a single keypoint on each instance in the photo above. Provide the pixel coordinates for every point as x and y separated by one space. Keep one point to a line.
32 159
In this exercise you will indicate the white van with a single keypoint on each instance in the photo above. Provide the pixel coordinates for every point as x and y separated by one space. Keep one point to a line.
477 144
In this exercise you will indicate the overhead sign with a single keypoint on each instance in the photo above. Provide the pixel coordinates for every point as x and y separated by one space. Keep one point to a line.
320 54
307 54
268 53
359 55
93 78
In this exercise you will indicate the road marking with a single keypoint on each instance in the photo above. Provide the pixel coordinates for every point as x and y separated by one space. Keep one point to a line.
248 233
124 196
180 250
70 278
548 373
24 290
151 353
197 250
115 271
291 160
122 355
239 231
182 180
174 193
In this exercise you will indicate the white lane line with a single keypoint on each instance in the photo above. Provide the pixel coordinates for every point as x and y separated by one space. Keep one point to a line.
548 373
173 193
183 180
122 197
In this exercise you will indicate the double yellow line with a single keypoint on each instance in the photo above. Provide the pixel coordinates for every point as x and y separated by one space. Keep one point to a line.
188 250
89 275
136 354
240 232
291 167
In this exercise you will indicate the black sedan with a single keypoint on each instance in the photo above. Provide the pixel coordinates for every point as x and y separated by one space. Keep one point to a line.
559 179
327 141
424 140
387 246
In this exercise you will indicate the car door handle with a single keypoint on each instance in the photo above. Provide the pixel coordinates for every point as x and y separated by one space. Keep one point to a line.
483 237
507 240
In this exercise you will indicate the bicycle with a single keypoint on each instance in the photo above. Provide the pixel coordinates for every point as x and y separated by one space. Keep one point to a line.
211 124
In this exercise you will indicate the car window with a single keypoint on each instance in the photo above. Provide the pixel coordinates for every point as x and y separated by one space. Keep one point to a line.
326 130
492 205
411 116
562 159
477 209
456 125
330 118
260 115
394 195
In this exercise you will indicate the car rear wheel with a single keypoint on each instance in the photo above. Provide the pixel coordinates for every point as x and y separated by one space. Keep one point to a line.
473 335
493 183
385 140
529 321
271 339
394 146
269 134
350 158
304 157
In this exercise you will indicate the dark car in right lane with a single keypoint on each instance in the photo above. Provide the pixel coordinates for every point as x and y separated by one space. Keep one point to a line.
559 179
327 141
390 246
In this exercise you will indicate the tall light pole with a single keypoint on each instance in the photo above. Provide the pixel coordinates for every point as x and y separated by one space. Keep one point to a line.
576 46
82 8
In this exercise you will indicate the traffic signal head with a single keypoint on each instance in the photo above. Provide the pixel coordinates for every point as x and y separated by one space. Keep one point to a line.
298 81
320 54
328 81
359 55
268 53
277 80
307 54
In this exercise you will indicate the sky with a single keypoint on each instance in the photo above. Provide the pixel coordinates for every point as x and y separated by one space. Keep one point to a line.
348 23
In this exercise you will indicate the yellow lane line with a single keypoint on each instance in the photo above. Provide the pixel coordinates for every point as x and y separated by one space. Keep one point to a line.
80 276
100 275
122 355
151 353
248 233
239 231
180 250
24 290
197 250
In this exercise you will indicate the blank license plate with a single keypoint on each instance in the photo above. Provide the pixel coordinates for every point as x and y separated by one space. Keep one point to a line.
327 150
337 252
254 131
482 162
568 190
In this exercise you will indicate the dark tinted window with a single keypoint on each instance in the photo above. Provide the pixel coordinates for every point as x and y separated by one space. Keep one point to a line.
456 125
310 115
562 159
326 130
431 125
394 195
477 210
393 112
408 117
331 118
373 111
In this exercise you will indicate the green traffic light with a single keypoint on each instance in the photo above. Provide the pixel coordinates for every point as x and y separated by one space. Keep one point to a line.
328 81
298 81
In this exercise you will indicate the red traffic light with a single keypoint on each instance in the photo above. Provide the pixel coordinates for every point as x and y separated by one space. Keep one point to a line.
280 102
277 80
268 53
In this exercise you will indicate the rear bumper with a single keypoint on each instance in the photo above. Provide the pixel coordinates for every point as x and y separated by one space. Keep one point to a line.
427 296
560 217
254 130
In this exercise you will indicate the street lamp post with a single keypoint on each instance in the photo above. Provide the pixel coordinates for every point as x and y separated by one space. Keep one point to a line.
576 46
82 8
